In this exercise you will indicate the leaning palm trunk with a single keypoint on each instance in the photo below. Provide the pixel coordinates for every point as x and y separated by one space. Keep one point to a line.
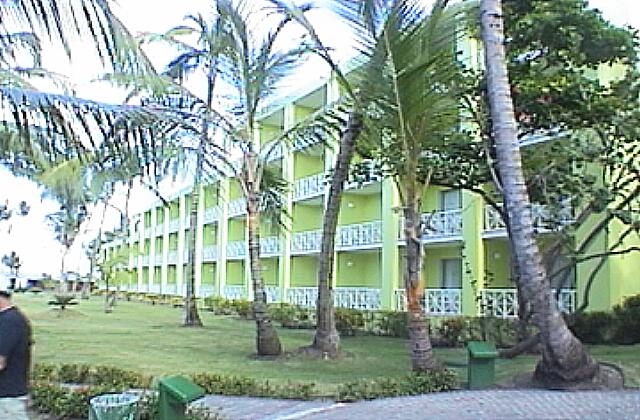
191 315
267 341
564 359
326 339
420 350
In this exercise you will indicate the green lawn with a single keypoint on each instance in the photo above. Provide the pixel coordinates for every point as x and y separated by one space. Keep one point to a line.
149 339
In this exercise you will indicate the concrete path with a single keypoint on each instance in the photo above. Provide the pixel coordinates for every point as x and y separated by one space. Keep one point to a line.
459 405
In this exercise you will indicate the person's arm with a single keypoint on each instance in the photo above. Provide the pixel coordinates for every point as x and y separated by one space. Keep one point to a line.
9 338
3 362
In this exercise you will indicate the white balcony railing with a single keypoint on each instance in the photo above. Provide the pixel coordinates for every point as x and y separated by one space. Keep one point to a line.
307 242
148 232
186 222
170 289
302 296
273 294
172 257
185 256
211 215
503 303
272 152
369 177
174 225
236 249
205 290
437 225
359 235
159 229
210 253
144 259
237 207
543 219
344 297
143 288
158 259
269 246
154 288
309 187
234 292
434 301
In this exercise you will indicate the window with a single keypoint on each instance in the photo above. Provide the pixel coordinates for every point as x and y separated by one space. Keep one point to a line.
450 200
451 273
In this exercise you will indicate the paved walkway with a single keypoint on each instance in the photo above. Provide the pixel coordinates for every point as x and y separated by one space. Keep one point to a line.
459 405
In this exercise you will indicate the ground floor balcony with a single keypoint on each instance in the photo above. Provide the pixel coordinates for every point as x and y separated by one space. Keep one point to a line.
443 302
232 292
211 215
503 303
344 297
237 207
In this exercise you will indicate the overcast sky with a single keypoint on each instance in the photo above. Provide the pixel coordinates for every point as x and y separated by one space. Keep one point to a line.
30 236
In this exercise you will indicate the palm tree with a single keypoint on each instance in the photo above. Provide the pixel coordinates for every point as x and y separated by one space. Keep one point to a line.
410 111
564 358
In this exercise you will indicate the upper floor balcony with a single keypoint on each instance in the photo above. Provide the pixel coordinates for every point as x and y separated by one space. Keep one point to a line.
309 187
237 207
236 250
438 226
307 242
186 221
543 219
210 253
269 246
174 225
172 257
159 229
211 215
359 235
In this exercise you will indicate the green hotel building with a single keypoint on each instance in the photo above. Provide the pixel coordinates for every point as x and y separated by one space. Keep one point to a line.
467 263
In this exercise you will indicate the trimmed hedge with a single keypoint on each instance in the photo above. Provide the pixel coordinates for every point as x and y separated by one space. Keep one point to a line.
64 391
621 326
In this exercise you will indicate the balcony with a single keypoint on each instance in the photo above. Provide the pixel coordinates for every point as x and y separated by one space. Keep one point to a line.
273 293
158 259
272 152
543 219
269 246
503 303
174 225
148 232
210 253
205 290
439 226
236 250
436 302
185 256
170 289
144 260
309 187
368 177
159 229
359 236
211 215
237 207
234 292
186 222
172 257
344 297
307 242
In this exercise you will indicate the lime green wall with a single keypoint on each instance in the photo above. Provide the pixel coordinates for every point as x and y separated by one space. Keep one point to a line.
235 191
145 275
306 217
306 165
268 132
235 273
156 275
208 273
432 263
301 112
269 271
498 264
358 269
209 235
147 218
430 199
159 215
623 269
303 271
236 230
158 245
172 274
173 241
357 208
174 209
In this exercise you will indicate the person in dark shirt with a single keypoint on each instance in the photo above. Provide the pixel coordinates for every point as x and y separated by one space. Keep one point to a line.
15 359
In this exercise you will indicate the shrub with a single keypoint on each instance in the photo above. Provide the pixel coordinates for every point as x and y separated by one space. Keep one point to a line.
391 323
450 332
237 385
627 328
593 327
348 321
413 384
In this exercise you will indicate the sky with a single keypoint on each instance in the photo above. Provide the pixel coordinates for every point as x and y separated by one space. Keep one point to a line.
32 238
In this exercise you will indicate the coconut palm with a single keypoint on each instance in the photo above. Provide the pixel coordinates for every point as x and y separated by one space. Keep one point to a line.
411 110
564 358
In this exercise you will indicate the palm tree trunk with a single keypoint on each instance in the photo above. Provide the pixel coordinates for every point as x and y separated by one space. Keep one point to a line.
267 341
326 339
191 316
421 352
564 359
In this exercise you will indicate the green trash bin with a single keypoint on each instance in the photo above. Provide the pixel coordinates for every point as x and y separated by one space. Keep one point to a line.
175 392
113 407
482 356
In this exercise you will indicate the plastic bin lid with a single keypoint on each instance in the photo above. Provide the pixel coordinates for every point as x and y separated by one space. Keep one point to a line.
182 388
482 349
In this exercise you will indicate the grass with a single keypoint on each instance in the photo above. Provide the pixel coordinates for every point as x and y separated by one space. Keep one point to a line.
149 339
